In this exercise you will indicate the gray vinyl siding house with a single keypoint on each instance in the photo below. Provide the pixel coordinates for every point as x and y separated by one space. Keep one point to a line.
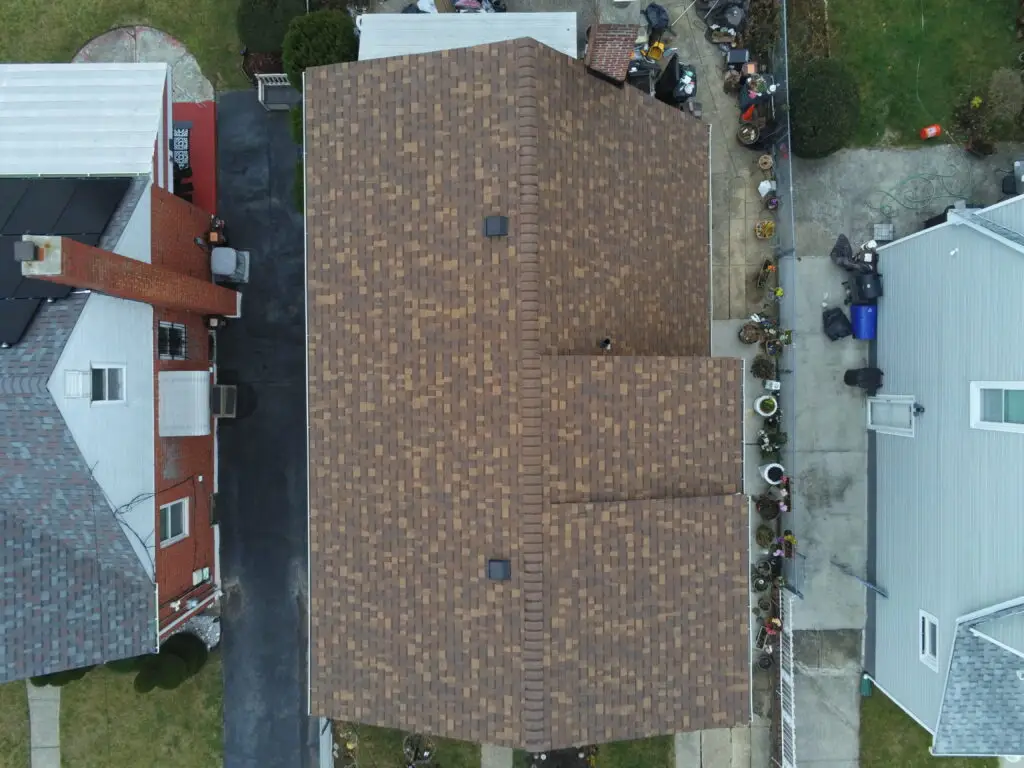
949 496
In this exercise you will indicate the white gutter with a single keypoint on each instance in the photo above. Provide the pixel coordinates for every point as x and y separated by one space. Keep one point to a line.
205 602
305 309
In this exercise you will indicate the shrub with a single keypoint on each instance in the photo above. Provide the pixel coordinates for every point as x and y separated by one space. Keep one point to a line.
189 648
972 118
295 124
824 108
262 24
124 666
322 37
60 679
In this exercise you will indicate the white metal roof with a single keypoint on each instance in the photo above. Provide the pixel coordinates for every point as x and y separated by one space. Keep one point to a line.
398 34
80 119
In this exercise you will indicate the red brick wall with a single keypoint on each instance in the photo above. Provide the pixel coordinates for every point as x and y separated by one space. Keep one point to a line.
180 461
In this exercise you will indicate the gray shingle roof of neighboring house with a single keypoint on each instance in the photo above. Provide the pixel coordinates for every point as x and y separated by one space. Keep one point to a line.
74 592
982 709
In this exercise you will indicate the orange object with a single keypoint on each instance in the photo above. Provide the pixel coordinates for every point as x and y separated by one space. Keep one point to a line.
931 131
748 114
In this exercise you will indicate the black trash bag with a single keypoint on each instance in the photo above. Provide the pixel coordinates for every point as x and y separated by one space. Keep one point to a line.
842 252
657 17
836 324
412 8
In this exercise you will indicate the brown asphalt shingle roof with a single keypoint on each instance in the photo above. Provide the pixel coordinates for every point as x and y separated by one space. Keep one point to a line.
439 362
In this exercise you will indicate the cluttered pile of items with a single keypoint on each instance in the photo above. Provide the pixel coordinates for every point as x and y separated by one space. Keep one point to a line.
456 6
751 81
639 55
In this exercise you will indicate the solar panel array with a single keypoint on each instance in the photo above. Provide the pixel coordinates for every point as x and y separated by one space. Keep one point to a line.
77 208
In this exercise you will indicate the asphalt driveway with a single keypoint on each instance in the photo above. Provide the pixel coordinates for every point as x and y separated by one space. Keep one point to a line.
262 495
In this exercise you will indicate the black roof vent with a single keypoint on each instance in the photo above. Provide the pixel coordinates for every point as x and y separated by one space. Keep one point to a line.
496 226
499 570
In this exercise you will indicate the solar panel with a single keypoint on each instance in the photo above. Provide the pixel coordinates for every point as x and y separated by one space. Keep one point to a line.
15 317
76 208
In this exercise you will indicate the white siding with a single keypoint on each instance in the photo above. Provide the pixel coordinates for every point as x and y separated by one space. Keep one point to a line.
80 119
398 34
950 500
116 439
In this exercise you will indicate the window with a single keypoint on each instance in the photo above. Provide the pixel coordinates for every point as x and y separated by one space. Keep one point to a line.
107 384
173 522
891 415
928 645
997 405
171 341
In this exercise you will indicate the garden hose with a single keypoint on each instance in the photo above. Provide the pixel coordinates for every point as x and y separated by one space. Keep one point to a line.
918 191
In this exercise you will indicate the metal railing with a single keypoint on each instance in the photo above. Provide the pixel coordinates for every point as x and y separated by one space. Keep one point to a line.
787 698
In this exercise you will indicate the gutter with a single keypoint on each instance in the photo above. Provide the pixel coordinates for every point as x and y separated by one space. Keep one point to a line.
212 597
305 310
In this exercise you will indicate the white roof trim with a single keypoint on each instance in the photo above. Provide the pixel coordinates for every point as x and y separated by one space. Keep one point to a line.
382 35
80 119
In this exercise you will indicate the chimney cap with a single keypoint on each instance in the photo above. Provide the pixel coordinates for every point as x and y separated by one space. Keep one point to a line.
25 251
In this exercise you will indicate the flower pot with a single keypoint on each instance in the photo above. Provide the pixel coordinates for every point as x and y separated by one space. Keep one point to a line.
764 661
767 508
763 367
761 583
772 473
764 536
751 333
764 568
748 134
766 405
764 604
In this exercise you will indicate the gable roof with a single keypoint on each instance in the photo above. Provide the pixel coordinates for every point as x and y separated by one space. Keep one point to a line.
457 410
982 710
74 592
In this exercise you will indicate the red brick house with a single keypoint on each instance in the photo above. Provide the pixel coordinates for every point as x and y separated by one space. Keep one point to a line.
106 377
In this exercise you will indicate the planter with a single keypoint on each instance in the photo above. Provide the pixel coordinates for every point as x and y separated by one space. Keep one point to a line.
766 405
765 661
767 508
764 230
771 203
764 568
772 473
747 135
763 367
764 604
751 333
761 583
765 536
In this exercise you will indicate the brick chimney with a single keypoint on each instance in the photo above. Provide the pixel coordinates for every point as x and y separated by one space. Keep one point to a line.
68 262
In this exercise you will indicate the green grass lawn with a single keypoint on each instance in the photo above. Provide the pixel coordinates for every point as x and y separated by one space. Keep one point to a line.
105 724
53 30
382 748
656 752
881 41
888 737
13 725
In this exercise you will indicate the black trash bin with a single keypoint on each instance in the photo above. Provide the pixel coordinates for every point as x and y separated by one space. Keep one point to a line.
868 379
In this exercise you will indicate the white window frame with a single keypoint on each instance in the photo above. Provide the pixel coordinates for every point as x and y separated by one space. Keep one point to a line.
976 420
170 328
124 383
929 656
907 400
184 522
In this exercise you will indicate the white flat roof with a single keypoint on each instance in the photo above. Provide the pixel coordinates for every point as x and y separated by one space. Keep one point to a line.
399 34
80 119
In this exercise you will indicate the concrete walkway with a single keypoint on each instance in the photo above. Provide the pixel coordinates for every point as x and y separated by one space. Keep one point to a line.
747 747
44 725
495 757
144 44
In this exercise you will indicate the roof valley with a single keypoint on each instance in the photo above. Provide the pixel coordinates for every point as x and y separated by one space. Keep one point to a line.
535 721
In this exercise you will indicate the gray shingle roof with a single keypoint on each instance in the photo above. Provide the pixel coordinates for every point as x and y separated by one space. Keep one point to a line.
74 593
982 709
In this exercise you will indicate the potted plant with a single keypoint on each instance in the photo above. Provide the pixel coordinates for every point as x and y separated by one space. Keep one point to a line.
764 536
766 405
773 473
763 367
764 661
751 333
764 604
764 229
768 508
761 583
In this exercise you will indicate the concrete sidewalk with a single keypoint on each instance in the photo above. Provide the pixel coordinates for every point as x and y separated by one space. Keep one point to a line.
44 725
746 747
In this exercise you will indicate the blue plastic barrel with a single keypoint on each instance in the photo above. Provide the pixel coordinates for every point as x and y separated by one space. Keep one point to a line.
864 319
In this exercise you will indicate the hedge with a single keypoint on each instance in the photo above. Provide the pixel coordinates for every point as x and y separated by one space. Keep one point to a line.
322 37
824 108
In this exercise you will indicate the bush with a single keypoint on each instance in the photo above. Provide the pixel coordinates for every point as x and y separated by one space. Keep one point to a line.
322 37
262 24
972 119
60 679
824 108
124 666
189 648
295 124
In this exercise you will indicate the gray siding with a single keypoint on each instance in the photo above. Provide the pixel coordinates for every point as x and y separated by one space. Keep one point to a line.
950 501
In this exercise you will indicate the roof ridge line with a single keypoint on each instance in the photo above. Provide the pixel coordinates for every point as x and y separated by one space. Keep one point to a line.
23 384
535 722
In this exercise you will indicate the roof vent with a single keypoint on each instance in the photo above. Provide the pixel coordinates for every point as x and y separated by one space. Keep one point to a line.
496 226
605 344
499 570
